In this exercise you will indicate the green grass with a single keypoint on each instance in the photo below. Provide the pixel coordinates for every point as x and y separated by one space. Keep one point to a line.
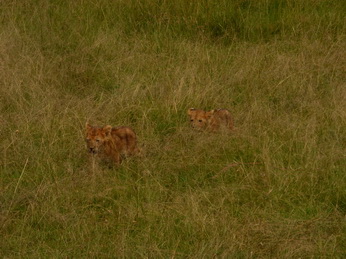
274 188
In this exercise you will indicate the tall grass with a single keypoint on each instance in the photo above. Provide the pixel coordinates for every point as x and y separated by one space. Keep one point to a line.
273 188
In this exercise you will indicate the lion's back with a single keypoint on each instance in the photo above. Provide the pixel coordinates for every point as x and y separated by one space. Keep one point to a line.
123 132
125 138
223 117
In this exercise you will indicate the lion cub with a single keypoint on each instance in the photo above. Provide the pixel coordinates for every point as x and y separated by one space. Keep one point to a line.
111 143
213 120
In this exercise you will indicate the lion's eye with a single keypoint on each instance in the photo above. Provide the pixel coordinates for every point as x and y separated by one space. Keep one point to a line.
191 120
200 120
97 140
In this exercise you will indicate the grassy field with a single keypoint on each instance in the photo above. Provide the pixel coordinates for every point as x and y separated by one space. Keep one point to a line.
275 188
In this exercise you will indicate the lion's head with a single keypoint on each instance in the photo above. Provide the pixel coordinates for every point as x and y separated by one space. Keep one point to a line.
199 118
96 137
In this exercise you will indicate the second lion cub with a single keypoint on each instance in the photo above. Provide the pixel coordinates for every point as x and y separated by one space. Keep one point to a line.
213 120
110 143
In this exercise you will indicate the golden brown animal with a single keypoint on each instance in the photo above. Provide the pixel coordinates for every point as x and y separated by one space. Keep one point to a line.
213 120
111 143
198 118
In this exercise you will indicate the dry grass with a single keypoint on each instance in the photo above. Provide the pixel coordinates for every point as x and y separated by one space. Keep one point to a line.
274 188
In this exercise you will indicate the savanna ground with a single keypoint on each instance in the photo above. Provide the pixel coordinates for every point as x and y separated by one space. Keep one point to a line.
274 188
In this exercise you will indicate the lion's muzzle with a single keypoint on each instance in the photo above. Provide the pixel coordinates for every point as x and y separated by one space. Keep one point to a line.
92 150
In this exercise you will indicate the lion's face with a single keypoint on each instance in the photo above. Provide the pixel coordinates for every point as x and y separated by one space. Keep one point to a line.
198 118
96 137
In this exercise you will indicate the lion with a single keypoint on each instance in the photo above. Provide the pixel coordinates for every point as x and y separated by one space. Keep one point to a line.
198 118
111 143
213 120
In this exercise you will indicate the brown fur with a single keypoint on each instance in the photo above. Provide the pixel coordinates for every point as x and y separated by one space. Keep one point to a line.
111 143
213 120
198 118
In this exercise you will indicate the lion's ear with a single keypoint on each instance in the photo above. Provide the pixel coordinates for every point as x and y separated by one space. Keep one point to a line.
190 111
88 126
107 129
